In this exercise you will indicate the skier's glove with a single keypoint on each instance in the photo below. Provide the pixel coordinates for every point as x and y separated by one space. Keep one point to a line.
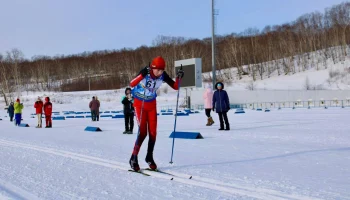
180 73
145 71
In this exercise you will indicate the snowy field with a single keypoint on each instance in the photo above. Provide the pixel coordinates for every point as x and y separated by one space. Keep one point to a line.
283 154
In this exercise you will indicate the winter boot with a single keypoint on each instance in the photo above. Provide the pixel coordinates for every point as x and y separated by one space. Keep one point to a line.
126 131
221 126
208 122
149 159
134 164
227 127
211 121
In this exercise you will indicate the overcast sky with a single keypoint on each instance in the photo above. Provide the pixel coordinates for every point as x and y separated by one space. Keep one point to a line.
48 27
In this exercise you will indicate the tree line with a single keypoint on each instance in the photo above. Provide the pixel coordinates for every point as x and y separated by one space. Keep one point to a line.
256 53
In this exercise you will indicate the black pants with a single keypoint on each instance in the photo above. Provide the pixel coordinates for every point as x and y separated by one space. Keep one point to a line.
129 121
11 118
207 112
93 115
223 117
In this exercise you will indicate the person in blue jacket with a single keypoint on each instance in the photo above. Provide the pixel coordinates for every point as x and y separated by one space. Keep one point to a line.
221 104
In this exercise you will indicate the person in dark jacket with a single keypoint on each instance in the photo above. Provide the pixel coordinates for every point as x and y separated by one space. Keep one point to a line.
94 107
128 101
221 104
11 111
98 110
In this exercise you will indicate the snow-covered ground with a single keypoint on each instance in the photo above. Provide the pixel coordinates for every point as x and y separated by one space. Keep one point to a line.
283 154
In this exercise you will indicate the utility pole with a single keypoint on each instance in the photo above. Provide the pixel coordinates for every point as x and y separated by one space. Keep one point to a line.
213 41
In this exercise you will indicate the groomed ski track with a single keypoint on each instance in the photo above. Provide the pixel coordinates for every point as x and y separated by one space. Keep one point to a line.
212 184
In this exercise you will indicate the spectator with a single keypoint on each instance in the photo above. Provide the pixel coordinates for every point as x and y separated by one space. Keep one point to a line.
94 107
38 105
48 112
18 112
98 109
11 111
221 104
128 102
208 101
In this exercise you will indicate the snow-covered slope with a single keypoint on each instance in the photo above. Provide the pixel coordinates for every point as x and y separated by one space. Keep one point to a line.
321 76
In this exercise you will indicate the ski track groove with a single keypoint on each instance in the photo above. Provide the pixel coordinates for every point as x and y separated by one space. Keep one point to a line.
208 183
16 192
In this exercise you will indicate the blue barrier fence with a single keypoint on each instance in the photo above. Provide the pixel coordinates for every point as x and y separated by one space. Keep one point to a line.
300 104
280 105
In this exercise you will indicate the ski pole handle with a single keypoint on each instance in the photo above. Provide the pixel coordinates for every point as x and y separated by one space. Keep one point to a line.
180 73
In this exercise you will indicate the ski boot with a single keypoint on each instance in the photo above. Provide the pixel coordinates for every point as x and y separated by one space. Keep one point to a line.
149 160
134 164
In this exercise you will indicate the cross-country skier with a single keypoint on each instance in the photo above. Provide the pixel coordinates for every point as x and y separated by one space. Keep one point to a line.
145 86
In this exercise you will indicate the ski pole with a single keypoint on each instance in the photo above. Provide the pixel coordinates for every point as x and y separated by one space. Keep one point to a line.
177 104
143 102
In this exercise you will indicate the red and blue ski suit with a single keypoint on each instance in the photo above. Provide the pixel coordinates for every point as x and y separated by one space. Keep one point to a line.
144 92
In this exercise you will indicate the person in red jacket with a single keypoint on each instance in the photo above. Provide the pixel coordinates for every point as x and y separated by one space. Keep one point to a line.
145 88
48 112
38 105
